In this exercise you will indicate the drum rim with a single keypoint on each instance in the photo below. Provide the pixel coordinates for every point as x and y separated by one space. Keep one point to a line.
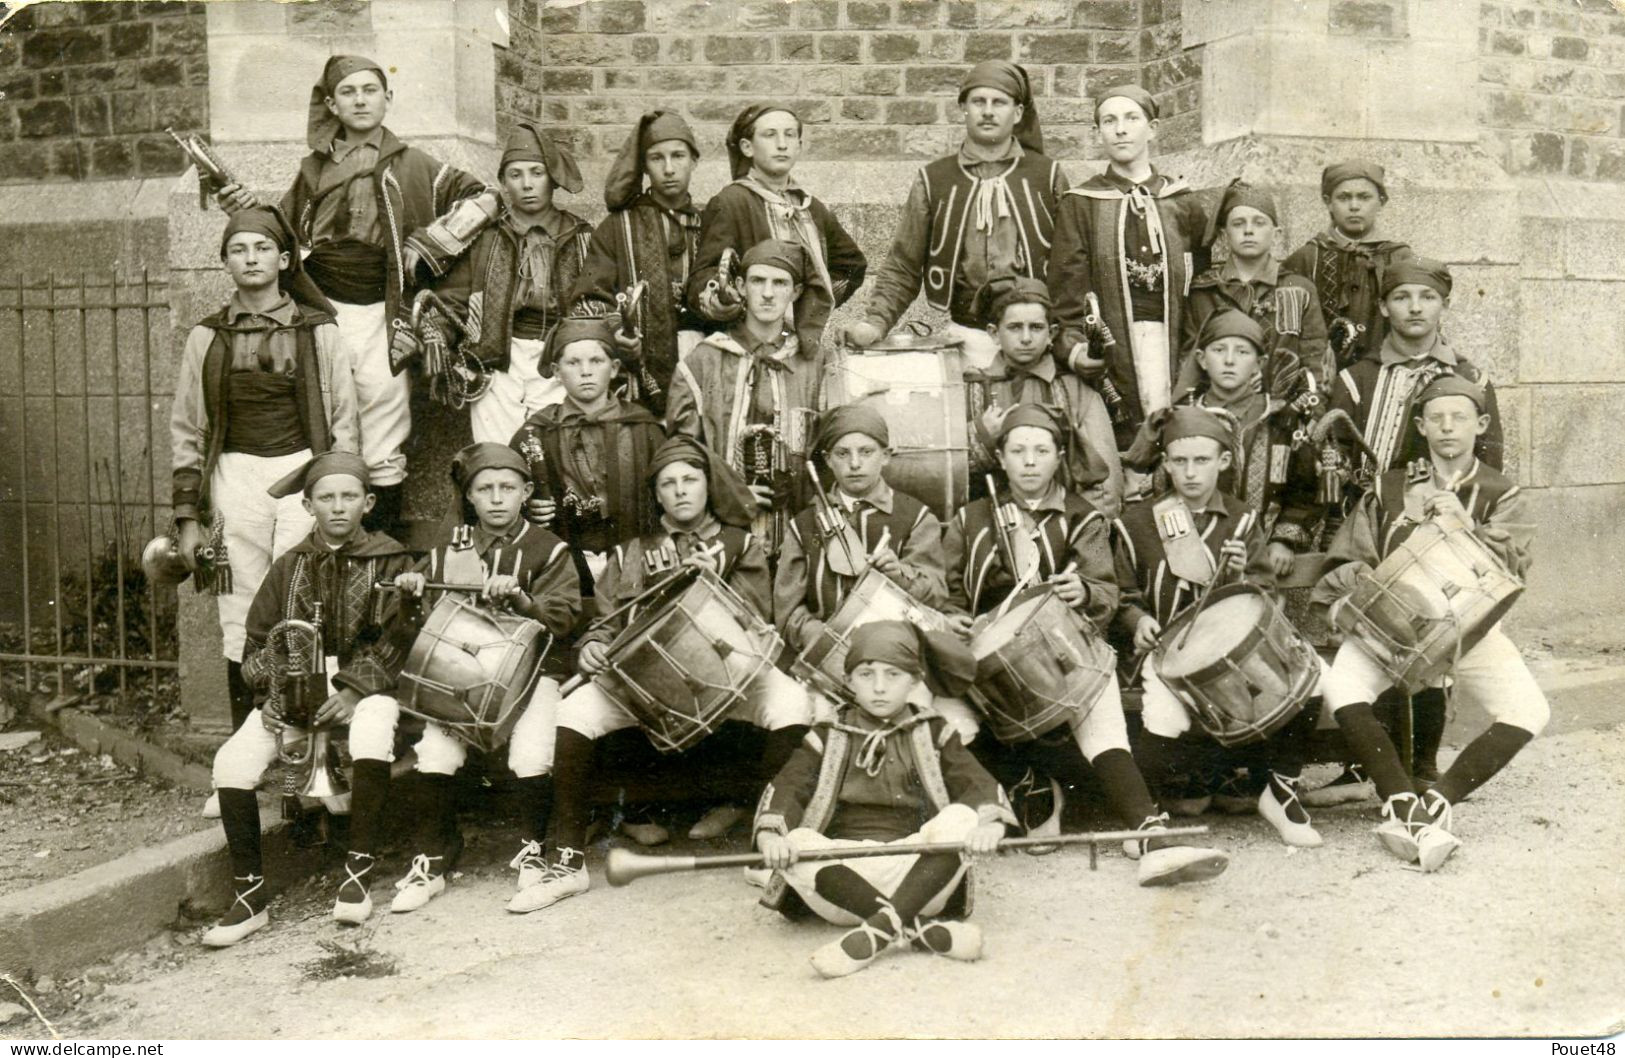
1272 613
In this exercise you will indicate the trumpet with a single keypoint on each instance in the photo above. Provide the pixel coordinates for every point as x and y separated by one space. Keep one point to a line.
293 704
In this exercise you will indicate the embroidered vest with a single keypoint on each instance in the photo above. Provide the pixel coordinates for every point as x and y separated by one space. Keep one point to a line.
951 193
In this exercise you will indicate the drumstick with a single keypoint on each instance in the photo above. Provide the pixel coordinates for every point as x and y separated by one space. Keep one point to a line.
656 588
623 866
432 585
1241 529
828 507
883 542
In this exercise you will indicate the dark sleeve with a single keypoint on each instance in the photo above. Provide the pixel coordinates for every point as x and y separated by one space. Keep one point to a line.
456 287
1132 603
921 556
1299 497
1258 569
719 229
1492 446
452 185
1069 275
595 288
1092 551
555 593
382 646
613 590
751 579
847 264
786 796
968 782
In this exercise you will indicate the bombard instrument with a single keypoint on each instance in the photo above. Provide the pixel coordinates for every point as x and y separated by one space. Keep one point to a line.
623 867
161 561
1014 539
1101 343
844 552
212 174
1342 335
295 697
456 376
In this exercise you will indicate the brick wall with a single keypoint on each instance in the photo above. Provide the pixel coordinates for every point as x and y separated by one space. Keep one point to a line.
1552 75
87 88
873 79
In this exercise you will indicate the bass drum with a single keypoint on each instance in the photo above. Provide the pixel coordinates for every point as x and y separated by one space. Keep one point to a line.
472 670
917 384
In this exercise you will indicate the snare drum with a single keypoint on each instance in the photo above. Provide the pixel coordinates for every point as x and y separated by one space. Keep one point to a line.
681 667
1240 667
472 670
1430 601
917 385
875 597
1038 666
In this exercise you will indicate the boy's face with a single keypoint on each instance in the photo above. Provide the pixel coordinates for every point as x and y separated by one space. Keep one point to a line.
857 461
682 491
1451 425
990 116
774 144
1030 457
338 502
1413 309
1023 333
669 166
769 293
253 261
1248 233
1231 364
585 369
527 187
1354 206
1194 465
497 496
881 688
360 102
1125 130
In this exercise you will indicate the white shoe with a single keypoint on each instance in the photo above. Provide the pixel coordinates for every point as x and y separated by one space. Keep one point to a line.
420 886
832 960
1397 831
354 912
1176 864
716 823
758 876
1051 826
532 866
211 807
565 878
1434 842
1347 788
225 934
646 834
1298 835
956 940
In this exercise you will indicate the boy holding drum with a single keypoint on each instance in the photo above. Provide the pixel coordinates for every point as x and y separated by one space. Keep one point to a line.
706 510
1455 486
1057 540
520 568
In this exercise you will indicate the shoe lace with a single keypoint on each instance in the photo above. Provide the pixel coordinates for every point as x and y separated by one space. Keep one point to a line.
355 877
879 940
420 872
528 856
1151 825
562 867
1440 809
915 934
1413 804
256 883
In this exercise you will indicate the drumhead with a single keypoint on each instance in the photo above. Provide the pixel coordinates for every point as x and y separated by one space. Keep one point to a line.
998 634
1218 630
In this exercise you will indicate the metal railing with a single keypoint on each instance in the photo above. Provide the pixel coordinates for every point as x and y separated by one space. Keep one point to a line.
83 478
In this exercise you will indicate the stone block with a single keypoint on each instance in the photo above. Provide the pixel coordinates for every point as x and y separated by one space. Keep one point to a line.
980 47
819 14
839 47
1579 554
613 16
931 80
1512 402
1118 47
1070 47
1575 435
919 14
872 81
1368 18
130 39
797 47
46 118
868 14
912 112
1595 249
569 80
1105 14
859 109
64 47
1483 316
1021 14
765 14
823 82
1542 245
91 116
1571 331
1205 21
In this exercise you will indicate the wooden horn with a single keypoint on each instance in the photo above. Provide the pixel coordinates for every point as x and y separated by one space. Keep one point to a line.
623 866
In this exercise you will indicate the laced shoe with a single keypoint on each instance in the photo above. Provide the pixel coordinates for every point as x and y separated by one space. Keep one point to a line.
955 940
565 877
1402 818
833 959
1276 803
647 834
717 822
1349 787
425 881
246 914
354 903
1175 864
1039 806
531 864
1434 842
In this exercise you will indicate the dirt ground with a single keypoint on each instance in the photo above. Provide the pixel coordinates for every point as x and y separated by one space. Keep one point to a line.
1518 935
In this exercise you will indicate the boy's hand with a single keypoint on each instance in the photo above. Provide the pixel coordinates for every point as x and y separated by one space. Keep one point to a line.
187 539
1280 558
861 335
337 709
503 588
959 624
1081 363
411 583
234 198
984 840
703 559
1070 587
593 659
1146 633
776 849
764 496
1233 557
629 346
887 562
1446 503
541 512
410 259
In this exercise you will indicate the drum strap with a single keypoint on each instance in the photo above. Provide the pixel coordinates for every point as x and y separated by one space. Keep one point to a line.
1186 552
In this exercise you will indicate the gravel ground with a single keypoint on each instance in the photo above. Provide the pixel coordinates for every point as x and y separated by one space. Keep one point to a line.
1518 935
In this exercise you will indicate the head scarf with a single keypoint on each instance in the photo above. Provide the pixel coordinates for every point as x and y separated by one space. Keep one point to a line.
1128 91
625 180
1030 415
729 498
1239 193
466 466
940 658
1166 425
1231 323
320 124
1451 386
1342 172
1421 270
1002 291
852 418
527 143
262 221
1013 81
741 129
324 465
778 253
580 329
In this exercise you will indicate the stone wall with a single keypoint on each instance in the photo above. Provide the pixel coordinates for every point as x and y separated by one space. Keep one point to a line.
87 88
1552 77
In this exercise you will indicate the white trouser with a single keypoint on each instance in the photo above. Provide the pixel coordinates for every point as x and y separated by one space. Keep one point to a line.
1101 729
772 701
258 528
240 763
384 399
1149 342
515 394
980 346
439 752
1162 713
1492 676
885 873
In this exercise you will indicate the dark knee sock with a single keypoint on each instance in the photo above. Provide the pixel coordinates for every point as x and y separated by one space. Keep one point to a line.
435 809
1061 758
572 768
1160 761
847 890
1125 787
924 881
781 743
1285 751
242 695
1483 757
1374 749
1427 731
536 805
240 817
369 787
